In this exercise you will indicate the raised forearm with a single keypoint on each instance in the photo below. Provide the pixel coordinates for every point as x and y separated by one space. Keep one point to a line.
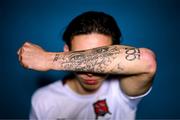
116 59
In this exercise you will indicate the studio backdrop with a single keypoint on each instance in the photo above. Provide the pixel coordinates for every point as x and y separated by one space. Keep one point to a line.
144 23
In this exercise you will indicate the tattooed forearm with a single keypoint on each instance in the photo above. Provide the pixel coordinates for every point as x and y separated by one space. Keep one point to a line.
95 60
56 57
109 59
132 53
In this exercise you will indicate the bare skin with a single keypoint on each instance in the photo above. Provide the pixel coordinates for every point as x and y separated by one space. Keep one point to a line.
92 57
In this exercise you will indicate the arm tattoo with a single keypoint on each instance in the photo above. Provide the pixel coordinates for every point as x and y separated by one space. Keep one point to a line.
132 54
56 57
95 60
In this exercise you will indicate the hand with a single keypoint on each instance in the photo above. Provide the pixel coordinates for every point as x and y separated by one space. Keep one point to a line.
32 56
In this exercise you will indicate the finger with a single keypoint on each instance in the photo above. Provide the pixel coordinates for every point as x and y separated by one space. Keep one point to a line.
28 43
32 44
18 51
24 66
20 54
21 60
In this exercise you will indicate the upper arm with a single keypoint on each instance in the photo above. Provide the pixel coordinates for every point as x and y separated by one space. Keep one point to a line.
138 84
39 101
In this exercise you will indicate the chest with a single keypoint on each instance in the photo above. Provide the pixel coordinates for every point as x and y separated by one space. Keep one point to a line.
105 107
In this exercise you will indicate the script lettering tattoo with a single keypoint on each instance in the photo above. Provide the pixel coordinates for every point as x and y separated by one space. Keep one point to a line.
94 60
56 57
132 54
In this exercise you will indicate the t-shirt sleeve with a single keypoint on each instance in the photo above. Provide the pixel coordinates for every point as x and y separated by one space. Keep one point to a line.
132 101
38 103
35 106
32 115
138 97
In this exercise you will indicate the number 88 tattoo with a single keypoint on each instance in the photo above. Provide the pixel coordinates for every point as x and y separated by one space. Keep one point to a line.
132 54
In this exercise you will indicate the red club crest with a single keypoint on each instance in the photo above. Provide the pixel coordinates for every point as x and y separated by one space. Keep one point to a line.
101 108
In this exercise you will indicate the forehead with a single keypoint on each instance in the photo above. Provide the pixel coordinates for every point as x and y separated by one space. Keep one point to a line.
89 41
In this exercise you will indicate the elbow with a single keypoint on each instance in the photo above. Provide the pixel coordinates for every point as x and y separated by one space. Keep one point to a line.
149 58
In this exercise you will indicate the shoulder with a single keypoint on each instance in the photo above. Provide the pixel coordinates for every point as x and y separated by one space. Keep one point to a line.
47 93
120 95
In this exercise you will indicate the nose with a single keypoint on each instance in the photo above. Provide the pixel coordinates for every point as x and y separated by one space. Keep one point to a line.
89 74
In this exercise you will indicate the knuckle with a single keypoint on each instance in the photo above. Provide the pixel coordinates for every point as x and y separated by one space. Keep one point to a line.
26 43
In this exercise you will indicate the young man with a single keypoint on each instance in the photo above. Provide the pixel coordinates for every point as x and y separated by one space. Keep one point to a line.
92 52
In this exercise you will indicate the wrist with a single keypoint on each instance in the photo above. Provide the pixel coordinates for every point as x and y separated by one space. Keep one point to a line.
53 61
49 62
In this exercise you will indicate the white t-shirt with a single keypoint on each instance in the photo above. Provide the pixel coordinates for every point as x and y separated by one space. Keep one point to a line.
59 102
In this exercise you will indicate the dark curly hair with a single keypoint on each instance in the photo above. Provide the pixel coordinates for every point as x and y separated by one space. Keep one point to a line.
92 22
